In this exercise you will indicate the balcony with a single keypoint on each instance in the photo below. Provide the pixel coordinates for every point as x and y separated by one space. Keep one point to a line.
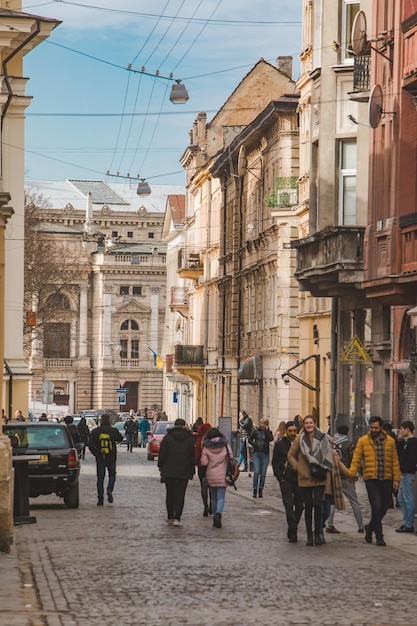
361 78
330 262
59 363
391 255
189 355
189 264
179 300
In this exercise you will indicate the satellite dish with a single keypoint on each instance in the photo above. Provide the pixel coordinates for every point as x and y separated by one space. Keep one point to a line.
358 37
241 161
375 108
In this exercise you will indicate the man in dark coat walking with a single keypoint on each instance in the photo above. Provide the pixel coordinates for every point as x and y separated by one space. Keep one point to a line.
102 445
176 464
288 480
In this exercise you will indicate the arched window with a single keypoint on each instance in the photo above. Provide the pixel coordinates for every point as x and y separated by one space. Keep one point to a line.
129 340
129 325
57 301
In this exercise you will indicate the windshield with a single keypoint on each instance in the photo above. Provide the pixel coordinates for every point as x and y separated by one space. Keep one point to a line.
161 429
31 436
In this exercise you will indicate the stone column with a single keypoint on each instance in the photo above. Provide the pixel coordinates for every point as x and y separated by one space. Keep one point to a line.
83 322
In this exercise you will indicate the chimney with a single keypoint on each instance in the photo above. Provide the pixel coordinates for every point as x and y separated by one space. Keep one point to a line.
284 64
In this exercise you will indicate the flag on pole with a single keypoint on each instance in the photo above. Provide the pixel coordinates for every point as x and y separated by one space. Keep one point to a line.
158 361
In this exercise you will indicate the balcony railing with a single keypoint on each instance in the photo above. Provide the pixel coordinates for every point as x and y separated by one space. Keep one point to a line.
58 363
361 73
189 355
190 264
330 262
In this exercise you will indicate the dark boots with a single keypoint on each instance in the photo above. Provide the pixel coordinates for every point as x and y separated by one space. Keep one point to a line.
310 541
255 493
260 493
217 520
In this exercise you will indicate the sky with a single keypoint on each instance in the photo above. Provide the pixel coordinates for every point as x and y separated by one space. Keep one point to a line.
91 114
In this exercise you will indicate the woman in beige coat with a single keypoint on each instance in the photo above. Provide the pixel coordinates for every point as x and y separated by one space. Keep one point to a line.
312 449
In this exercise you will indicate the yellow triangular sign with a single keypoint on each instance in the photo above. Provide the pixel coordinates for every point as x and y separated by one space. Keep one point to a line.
355 351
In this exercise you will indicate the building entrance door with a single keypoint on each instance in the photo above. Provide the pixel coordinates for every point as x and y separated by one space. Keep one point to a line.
132 395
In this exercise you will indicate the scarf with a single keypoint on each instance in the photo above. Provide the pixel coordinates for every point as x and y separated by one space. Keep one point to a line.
321 452
337 487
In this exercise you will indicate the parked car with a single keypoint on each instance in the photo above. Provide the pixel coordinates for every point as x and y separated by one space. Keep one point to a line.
58 469
155 436
121 428
90 421
95 414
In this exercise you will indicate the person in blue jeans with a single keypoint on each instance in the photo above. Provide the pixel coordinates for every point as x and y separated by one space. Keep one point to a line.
260 440
245 429
407 455
102 445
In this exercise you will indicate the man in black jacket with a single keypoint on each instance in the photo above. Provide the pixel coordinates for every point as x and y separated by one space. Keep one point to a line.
102 445
288 480
407 455
177 465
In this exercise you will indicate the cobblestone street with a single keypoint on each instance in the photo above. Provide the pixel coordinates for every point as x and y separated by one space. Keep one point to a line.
122 565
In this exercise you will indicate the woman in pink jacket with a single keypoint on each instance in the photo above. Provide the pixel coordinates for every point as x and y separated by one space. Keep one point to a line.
214 457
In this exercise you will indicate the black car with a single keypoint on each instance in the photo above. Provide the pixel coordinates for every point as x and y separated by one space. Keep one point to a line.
58 469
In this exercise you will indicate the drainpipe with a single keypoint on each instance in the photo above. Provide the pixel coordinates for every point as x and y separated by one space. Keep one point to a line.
7 82
10 373
239 282
208 274
224 295
333 364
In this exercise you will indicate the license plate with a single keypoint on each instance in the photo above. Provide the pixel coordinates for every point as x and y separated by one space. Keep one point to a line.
43 459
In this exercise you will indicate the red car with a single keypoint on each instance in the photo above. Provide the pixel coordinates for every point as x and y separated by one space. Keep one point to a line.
155 436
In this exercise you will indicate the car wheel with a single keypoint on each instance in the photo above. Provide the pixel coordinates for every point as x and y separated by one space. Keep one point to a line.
72 497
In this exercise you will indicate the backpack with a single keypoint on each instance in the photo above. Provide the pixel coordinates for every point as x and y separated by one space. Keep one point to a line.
105 443
344 451
232 470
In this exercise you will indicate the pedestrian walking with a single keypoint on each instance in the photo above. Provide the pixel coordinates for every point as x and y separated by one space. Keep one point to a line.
245 427
84 434
201 469
407 455
215 456
177 466
102 445
311 457
288 480
131 430
344 449
260 440
69 422
144 427
377 453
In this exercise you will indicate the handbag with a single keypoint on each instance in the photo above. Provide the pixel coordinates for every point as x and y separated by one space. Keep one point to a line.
232 470
318 472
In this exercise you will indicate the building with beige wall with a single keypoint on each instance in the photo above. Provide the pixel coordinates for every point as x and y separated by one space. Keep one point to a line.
217 218
20 33
101 319
334 136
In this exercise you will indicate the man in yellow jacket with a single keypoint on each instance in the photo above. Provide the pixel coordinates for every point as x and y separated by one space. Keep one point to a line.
377 453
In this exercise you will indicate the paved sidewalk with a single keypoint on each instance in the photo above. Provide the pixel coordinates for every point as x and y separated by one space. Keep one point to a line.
39 554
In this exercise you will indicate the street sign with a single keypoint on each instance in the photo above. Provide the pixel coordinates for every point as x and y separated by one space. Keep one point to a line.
122 390
121 382
121 399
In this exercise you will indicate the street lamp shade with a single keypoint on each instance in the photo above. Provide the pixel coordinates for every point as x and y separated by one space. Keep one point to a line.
179 94
143 188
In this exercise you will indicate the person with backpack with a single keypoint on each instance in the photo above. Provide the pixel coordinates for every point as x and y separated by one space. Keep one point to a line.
102 445
344 449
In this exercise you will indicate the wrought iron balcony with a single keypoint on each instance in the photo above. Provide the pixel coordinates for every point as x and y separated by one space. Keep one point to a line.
330 262
361 78
189 264
189 355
